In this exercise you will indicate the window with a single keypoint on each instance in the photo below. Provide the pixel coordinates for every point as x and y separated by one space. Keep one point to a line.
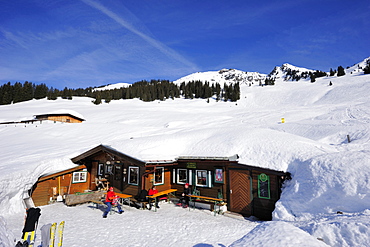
79 177
201 179
133 174
263 186
108 169
159 176
100 169
182 176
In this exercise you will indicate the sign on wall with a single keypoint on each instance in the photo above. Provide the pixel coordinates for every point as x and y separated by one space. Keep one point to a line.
263 186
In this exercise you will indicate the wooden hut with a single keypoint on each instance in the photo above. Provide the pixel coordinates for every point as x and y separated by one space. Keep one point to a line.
247 190
69 181
126 174
60 117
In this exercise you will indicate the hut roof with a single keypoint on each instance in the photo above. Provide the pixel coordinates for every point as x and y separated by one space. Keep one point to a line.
46 177
108 149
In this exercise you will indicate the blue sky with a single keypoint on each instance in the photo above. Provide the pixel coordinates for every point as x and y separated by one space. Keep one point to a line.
81 43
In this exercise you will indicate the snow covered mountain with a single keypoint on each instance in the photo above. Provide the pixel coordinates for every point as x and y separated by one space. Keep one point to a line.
288 72
225 76
285 72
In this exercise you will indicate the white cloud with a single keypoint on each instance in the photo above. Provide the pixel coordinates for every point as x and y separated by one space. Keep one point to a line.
153 42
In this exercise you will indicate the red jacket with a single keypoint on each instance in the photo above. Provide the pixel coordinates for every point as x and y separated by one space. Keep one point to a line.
152 192
110 196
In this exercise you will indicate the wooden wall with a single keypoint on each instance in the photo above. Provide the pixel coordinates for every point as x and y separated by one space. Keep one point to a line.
50 188
208 165
167 180
65 119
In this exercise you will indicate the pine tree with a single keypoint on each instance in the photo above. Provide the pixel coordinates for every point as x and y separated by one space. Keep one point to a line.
52 94
97 100
367 68
17 92
341 71
41 91
312 77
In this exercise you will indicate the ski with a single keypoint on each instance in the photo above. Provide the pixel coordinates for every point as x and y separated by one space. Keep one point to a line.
29 237
60 233
52 234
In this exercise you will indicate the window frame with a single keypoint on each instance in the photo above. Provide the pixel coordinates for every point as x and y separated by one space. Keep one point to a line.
100 169
82 177
129 175
197 178
162 176
178 176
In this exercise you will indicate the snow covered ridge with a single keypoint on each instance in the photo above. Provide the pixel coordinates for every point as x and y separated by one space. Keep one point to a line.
222 76
285 72
112 86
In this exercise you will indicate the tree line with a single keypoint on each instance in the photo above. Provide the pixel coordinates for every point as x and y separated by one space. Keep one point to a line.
144 90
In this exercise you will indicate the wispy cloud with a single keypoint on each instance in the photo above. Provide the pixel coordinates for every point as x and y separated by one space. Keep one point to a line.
153 42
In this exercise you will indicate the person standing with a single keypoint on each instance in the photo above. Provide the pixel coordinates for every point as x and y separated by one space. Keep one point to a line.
109 201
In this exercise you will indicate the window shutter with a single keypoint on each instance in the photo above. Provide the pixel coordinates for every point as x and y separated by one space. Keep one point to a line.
174 176
190 177
209 180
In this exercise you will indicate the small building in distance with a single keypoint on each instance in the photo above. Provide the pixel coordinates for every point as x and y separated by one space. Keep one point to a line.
60 117
64 116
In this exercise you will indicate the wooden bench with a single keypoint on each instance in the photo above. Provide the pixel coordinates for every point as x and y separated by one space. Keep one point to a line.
161 193
141 203
208 200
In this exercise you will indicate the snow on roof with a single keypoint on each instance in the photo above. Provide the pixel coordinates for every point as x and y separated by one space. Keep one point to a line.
64 112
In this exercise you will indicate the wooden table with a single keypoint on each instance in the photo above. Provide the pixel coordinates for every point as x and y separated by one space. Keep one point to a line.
206 198
123 197
161 193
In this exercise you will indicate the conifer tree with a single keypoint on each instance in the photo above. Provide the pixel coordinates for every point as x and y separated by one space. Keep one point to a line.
367 68
97 100
340 71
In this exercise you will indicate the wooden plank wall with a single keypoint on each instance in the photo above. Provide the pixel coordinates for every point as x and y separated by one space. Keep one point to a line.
64 119
50 188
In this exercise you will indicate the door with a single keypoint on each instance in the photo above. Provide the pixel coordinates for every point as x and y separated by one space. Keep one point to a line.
116 179
240 192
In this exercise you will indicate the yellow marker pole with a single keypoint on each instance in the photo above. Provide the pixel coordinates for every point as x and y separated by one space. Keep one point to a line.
282 120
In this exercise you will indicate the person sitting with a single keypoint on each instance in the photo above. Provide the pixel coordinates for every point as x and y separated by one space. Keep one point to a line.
141 198
151 192
111 199
184 200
